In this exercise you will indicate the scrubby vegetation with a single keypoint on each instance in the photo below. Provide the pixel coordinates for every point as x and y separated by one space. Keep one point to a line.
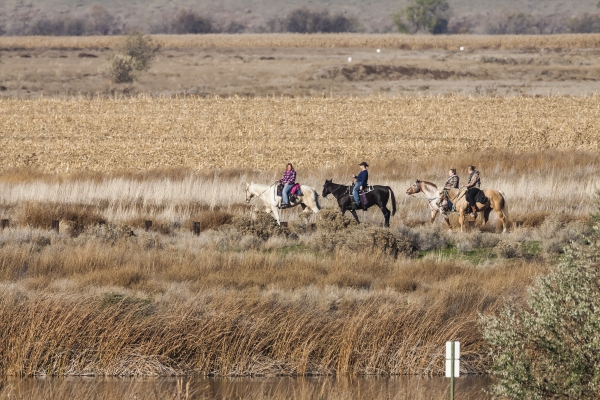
135 55
548 348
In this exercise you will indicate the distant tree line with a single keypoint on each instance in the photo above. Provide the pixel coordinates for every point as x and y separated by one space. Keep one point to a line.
419 16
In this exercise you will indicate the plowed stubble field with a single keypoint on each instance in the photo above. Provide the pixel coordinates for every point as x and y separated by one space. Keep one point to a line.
147 133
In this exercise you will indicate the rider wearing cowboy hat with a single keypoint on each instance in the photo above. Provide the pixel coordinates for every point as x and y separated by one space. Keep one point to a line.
361 184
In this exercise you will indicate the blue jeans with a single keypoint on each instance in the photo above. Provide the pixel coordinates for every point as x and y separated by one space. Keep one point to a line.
355 194
285 193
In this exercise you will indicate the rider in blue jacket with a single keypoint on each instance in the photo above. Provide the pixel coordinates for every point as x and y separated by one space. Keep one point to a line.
361 184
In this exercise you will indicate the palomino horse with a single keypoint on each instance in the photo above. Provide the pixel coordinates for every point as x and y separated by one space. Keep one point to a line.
438 201
309 201
379 196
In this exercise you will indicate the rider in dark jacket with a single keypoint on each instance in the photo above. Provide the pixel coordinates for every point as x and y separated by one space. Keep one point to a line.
473 189
361 184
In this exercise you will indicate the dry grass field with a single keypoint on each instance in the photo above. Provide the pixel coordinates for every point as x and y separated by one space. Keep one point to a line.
322 296
308 65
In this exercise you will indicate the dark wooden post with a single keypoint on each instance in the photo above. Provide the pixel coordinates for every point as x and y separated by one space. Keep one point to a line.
55 225
148 225
4 223
196 228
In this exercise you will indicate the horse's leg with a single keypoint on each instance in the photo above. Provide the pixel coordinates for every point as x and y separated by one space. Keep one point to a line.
355 216
486 215
447 219
386 216
433 215
276 214
461 219
502 217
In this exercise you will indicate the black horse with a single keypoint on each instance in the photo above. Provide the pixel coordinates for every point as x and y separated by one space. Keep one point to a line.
379 196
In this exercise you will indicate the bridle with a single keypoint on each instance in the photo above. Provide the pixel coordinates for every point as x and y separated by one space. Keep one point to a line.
340 187
254 195
419 190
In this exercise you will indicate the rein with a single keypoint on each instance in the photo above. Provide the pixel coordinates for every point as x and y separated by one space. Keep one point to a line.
339 187
429 199
265 191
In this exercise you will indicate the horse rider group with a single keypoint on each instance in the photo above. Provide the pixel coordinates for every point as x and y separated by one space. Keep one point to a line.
472 187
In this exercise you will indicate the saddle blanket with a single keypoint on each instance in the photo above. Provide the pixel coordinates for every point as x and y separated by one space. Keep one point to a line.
296 191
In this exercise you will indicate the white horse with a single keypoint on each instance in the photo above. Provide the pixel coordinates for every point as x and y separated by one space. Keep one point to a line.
309 201
432 195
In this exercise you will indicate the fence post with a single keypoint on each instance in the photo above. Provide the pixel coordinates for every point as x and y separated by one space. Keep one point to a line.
148 225
56 225
196 228
4 223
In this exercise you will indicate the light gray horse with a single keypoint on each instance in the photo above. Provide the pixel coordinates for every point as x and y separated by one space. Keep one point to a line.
309 201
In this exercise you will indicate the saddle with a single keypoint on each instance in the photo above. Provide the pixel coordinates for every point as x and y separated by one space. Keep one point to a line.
368 189
361 195
294 193
480 197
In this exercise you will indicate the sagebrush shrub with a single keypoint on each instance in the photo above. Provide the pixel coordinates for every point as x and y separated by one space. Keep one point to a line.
140 48
120 69
550 346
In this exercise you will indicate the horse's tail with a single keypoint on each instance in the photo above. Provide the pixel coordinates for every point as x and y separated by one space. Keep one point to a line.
315 197
393 200
504 205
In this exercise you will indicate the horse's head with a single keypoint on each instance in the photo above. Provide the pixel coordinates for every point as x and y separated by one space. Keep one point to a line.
414 188
249 194
326 190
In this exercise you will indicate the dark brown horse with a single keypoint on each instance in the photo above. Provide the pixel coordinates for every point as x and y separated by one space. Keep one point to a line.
379 196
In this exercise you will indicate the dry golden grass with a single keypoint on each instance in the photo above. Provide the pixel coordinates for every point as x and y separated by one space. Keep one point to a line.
408 42
148 133
152 305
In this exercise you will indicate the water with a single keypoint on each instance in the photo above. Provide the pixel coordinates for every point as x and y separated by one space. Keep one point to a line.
466 387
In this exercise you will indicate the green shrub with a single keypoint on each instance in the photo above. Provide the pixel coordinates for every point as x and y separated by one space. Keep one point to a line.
550 346
187 21
140 48
423 16
303 20
121 69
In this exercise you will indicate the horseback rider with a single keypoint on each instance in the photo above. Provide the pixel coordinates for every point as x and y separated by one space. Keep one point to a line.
473 189
361 184
288 180
452 182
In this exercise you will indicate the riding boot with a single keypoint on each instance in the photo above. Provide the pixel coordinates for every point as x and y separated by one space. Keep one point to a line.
474 209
